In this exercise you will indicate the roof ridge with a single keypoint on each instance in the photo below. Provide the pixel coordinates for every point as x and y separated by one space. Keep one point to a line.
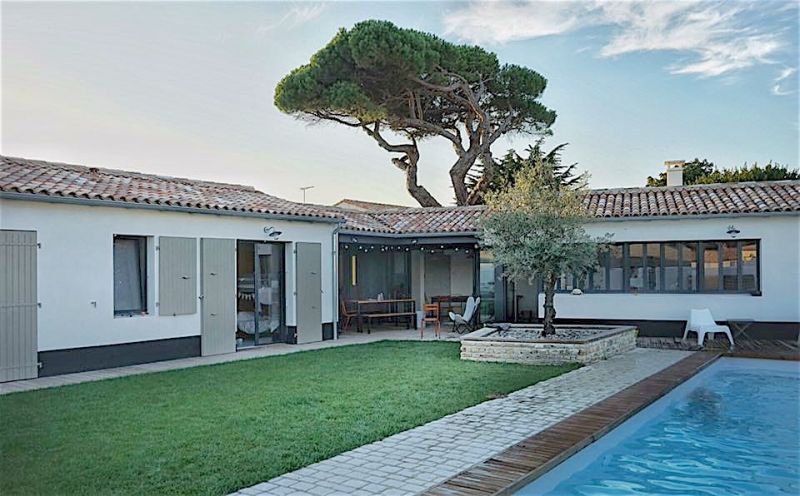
698 186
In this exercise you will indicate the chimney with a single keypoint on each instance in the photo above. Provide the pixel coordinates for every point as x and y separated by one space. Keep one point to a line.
674 172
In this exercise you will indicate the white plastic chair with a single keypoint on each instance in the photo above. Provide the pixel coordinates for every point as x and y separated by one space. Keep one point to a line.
465 320
702 322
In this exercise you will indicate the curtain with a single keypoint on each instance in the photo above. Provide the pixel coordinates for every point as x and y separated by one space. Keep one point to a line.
128 275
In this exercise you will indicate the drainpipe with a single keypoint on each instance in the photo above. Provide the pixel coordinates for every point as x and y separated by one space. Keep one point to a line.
335 279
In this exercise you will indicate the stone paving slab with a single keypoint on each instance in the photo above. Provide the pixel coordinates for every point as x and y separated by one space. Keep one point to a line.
416 460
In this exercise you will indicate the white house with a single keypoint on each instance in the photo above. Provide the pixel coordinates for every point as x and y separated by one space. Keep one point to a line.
102 268
731 248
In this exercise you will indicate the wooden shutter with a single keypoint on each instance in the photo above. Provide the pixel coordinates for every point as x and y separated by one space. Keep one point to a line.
177 276
18 305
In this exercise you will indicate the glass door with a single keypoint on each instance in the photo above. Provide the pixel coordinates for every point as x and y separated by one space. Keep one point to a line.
269 317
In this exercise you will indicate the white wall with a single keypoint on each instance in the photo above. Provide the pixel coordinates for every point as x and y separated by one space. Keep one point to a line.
461 269
75 267
780 273
437 275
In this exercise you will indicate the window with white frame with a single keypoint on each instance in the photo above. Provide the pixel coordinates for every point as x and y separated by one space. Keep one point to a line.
130 275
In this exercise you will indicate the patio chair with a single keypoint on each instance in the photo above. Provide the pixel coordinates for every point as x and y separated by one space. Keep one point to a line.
430 315
702 322
346 316
466 322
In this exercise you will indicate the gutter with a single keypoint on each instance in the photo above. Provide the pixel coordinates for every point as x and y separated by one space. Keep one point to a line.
335 281
593 220
165 208
779 213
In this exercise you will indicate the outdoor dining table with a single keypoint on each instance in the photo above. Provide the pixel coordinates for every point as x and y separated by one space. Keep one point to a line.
394 310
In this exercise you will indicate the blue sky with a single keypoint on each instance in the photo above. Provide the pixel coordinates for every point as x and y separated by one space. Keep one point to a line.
186 89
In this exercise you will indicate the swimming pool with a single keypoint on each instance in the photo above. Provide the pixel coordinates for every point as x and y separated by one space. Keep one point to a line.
734 428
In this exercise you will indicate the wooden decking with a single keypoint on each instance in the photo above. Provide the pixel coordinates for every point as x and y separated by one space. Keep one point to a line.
527 460
745 348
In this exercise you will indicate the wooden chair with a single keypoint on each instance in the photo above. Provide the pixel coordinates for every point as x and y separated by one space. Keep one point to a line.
346 316
431 314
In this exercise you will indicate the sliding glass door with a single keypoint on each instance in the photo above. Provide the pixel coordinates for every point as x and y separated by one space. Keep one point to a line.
260 294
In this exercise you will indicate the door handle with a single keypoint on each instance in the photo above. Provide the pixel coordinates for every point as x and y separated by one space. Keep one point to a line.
212 273
213 314
185 277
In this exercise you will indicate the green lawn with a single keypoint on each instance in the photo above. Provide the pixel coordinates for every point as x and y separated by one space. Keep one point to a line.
215 429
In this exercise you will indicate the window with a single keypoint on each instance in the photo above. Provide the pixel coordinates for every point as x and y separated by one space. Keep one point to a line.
130 275
729 266
635 272
689 267
710 266
652 267
672 267
598 276
615 263
749 262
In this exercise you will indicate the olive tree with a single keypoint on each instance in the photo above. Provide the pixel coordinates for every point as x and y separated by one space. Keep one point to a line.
535 229
394 83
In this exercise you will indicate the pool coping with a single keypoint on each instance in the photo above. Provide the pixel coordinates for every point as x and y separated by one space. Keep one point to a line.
517 466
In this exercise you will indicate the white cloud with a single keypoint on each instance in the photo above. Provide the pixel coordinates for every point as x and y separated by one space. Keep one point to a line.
297 15
712 38
777 88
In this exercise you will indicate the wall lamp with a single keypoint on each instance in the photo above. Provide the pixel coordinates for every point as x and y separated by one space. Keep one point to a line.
271 232
732 231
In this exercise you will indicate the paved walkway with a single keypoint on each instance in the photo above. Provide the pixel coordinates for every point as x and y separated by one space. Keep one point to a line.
262 351
418 459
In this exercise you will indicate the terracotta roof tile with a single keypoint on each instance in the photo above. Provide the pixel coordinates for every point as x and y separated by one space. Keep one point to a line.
55 179
38 177
673 201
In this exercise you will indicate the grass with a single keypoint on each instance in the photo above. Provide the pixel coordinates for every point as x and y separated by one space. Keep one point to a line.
218 428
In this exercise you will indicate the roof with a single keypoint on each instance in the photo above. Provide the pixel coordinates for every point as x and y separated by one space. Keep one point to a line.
58 180
361 205
624 203
700 199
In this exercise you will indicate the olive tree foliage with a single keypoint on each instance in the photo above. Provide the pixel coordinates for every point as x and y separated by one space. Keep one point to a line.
535 230
394 83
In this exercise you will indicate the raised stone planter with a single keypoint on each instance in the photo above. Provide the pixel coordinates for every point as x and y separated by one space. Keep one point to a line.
522 343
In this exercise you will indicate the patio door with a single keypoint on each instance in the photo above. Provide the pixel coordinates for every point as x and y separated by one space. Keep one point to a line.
268 276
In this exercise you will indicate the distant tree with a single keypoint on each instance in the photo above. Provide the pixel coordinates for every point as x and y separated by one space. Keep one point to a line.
697 172
770 172
380 78
535 229
506 169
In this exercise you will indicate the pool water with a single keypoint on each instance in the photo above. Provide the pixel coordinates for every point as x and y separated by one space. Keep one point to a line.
732 429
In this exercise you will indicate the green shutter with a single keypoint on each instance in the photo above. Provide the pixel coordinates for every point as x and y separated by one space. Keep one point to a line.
177 276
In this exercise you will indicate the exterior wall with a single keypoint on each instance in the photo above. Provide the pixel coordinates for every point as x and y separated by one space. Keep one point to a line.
780 273
76 267
461 272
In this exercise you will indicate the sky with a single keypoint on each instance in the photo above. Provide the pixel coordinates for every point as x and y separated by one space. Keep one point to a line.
186 89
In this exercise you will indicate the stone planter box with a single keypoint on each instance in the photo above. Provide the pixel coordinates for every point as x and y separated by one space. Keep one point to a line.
571 344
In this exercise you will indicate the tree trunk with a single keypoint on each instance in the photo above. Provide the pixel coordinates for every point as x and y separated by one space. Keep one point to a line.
419 193
549 307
